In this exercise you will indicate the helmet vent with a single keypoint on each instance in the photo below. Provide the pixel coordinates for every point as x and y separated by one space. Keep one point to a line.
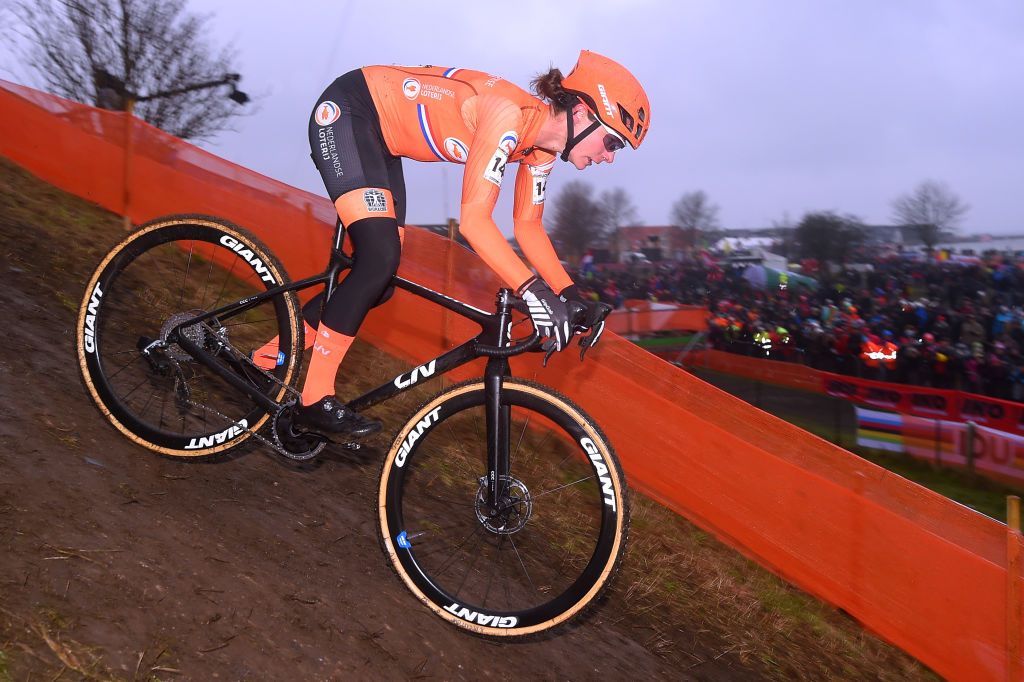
627 118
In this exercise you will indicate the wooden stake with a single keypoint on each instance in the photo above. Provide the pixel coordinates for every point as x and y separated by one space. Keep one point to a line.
129 117
1013 589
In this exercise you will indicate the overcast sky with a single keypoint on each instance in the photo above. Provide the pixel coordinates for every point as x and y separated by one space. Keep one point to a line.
774 108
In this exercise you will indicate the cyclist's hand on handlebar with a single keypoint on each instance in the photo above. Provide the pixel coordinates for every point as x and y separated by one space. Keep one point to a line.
591 319
548 311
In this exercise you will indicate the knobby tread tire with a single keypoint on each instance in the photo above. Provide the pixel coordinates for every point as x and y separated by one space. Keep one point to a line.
579 611
182 222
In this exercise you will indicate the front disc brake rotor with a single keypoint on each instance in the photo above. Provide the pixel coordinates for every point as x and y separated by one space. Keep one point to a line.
513 511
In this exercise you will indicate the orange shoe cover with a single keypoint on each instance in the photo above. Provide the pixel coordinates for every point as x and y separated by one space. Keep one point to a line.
266 356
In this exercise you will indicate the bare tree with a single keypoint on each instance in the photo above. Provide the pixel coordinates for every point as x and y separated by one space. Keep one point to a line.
618 209
828 237
579 220
91 51
697 216
932 208
694 211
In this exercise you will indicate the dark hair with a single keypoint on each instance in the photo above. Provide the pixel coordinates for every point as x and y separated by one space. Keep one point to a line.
548 86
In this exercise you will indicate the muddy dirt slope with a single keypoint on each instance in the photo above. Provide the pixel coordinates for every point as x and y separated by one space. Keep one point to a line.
118 564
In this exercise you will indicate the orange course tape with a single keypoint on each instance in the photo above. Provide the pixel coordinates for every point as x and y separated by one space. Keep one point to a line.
921 571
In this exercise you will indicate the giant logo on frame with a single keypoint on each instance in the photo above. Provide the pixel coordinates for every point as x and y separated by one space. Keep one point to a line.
327 112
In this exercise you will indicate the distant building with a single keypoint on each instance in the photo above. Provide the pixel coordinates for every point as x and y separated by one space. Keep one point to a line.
908 236
657 242
899 236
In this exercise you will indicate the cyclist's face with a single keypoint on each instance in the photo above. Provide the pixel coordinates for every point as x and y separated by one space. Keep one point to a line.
590 150
597 147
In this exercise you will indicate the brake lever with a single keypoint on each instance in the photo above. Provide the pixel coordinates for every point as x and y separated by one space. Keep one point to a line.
586 343
549 348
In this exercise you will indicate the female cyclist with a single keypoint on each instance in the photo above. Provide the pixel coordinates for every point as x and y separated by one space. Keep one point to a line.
369 119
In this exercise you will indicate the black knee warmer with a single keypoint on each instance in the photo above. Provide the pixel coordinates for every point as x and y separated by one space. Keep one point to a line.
376 251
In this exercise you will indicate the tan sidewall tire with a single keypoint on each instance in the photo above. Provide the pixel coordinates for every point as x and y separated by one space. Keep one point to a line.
561 403
171 222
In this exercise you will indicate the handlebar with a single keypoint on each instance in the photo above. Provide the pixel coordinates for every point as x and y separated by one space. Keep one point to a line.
576 313
508 351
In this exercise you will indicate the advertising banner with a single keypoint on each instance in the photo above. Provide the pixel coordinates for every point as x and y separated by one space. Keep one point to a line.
931 403
992 453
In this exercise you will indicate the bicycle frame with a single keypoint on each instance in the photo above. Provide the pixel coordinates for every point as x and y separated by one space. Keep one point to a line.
493 335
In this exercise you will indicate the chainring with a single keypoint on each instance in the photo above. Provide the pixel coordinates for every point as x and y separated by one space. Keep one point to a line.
298 445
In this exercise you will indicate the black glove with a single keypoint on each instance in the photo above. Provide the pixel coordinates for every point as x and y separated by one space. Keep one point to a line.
547 311
593 317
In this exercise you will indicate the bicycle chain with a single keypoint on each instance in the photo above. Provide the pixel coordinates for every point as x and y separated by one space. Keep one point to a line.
240 357
274 445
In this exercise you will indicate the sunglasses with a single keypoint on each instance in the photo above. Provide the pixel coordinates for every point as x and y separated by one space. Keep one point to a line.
613 142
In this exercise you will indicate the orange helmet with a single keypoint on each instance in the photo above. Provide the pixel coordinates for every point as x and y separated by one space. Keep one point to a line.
613 94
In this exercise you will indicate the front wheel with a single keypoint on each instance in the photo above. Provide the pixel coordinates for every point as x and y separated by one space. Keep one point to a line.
540 557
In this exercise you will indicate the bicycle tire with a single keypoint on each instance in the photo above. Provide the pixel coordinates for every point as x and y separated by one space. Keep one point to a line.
424 475
131 292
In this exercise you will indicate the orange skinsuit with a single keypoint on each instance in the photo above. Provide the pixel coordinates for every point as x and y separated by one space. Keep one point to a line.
482 121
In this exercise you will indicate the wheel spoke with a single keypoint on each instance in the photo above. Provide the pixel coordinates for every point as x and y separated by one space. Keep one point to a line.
527 555
155 280
125 365
224 284
521 564
188 268
562 487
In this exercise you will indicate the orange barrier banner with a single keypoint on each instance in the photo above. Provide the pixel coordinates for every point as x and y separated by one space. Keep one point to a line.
647 320
787 374
921 571
919 401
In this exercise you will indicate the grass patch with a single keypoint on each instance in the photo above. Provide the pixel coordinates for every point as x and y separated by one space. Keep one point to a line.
683 580
5 675
817 414
665 342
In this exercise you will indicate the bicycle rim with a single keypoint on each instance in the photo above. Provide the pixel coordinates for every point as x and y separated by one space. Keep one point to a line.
540 559
160 276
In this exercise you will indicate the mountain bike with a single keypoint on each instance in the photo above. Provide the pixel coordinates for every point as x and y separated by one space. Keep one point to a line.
501 505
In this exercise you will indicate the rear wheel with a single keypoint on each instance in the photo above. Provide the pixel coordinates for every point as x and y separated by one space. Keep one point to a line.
545 552
163 274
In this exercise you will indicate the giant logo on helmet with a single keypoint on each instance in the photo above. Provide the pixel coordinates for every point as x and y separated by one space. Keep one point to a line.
604 100
327 112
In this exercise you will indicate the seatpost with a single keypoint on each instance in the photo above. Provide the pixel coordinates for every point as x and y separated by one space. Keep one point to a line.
498 414
334 265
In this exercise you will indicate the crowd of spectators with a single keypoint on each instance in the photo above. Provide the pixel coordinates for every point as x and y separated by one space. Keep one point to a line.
940 324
